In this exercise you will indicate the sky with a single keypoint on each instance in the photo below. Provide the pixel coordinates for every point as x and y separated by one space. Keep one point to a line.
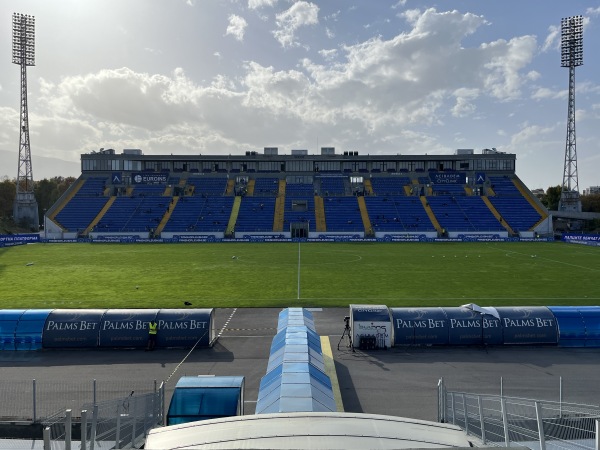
374 76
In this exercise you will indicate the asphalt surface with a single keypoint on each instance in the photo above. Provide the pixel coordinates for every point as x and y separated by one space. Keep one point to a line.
401 381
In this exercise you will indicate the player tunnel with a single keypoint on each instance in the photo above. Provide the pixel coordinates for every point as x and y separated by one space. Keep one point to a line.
295 380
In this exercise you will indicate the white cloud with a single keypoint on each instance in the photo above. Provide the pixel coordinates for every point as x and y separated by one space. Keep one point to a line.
329 54
399 4
507 59
552 41
531 133
300 14
593 11
543 93
237 27
464 105
257 4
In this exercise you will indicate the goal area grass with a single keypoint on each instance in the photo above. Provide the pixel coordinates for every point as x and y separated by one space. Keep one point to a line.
220 275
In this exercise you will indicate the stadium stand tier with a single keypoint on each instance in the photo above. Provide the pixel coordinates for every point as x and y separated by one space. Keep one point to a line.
298 196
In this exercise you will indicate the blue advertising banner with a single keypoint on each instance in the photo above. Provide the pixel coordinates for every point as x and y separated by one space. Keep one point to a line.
468 327
577 238
528 325
77 328
7 240
422 326
126 327
448 178
149 178
184 327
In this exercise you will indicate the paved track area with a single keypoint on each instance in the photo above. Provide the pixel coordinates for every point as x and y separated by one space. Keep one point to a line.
398 381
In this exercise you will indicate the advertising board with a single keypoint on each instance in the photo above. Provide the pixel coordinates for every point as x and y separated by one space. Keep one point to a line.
126 327
68 328
185 327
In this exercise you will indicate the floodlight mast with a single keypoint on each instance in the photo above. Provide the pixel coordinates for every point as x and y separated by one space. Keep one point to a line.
571 56
25 210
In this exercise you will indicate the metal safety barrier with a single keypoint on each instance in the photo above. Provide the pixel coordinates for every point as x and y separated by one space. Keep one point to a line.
36 401
505 421
118 424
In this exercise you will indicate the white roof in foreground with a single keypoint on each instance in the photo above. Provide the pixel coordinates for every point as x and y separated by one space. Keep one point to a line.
303 430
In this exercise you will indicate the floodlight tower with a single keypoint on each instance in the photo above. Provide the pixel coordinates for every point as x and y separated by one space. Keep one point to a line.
25 210
571 56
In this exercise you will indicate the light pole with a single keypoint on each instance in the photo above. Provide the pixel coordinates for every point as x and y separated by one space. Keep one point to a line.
571 56
25 208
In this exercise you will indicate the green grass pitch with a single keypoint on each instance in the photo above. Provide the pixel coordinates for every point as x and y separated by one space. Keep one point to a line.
292 274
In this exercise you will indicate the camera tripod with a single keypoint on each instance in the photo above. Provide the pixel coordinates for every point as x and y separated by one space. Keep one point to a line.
346 334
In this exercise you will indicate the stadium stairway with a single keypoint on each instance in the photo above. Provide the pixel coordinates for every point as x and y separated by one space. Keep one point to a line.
408 189
430 214
279 207
497 215
229 188
67 198
99 216
368 187
365 216
235 210
250 190
282 186
469 190
321 225
166 217
279 210
532 201
168 192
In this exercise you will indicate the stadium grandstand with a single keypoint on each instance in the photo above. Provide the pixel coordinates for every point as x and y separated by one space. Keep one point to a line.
465 195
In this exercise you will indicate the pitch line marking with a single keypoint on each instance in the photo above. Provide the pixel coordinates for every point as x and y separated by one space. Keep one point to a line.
224 327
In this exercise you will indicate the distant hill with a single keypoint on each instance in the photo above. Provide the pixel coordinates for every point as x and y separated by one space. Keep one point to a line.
43 167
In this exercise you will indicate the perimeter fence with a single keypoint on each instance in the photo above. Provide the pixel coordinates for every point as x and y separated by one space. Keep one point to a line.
508 421
118 424
35 401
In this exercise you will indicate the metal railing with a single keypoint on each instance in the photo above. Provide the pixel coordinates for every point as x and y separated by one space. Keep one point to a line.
505 421
118 424
35 400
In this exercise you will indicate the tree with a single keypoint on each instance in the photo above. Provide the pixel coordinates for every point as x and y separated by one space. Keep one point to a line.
48 191
8 189
590 203
552 198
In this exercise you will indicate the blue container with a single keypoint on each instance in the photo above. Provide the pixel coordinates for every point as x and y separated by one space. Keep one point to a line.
420 326
126 327
185 327
528 325
468 327
72 328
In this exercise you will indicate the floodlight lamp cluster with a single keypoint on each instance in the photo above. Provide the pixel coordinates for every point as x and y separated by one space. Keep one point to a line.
571 43
23 39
